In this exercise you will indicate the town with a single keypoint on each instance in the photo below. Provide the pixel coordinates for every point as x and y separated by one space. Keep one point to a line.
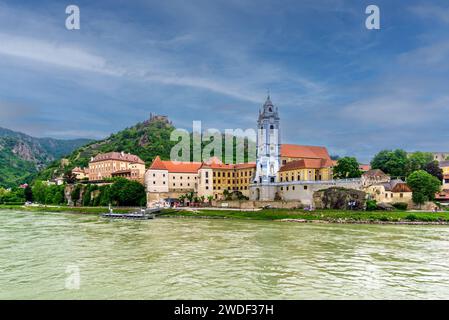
283 176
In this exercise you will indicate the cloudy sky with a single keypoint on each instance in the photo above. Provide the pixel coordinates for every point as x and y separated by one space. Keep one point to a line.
336 84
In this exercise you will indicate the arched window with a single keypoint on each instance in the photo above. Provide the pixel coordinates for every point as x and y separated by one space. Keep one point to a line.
271 127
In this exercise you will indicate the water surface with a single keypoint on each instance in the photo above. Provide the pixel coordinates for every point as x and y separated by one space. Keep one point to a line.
218 259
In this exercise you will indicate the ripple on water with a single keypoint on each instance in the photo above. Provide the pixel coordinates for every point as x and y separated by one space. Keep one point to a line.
219 259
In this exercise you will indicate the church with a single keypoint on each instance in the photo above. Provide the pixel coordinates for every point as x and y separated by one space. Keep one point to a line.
281 171
281 168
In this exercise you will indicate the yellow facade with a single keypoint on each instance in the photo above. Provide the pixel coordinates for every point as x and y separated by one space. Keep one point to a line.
305 174
235 179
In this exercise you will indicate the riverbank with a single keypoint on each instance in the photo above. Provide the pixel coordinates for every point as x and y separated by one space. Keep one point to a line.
63 209
284 215
318 216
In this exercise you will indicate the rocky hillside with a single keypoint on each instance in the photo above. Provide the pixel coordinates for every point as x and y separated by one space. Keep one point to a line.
22 156
146 139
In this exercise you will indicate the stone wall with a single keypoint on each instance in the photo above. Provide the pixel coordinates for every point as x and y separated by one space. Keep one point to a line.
248 205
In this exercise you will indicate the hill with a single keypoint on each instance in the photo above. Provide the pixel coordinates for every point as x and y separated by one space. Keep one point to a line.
146 139
22 156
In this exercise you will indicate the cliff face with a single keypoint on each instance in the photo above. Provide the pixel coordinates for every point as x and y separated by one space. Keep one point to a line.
339 198
22 156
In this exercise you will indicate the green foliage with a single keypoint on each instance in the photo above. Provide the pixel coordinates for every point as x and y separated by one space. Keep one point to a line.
30 154
76 193
48 194
400 206
125 192
423 185
394 163
398 164
347 168
418 160
371 205
13 196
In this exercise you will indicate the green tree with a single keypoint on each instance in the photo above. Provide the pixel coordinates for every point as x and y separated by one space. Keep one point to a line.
418 160
127 193
394 163
423 185
39 190
347 168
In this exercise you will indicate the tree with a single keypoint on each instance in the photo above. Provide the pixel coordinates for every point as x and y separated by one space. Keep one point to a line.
418 160
434 169
28 193
394 163
347 168
69 177
127 192
423 185
38 190
210 198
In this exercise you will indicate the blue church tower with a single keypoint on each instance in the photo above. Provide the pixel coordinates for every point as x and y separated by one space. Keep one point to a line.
268 144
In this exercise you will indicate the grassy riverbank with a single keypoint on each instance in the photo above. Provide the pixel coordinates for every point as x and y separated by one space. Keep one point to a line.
62 209
337 216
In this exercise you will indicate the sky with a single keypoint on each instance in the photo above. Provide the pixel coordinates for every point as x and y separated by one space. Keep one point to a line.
336 83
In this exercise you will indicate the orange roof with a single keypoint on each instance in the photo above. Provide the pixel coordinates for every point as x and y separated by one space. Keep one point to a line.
193 167
121 156
306 152
306 164
175 166
364 167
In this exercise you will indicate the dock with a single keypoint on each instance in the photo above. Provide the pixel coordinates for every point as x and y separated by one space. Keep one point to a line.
146 214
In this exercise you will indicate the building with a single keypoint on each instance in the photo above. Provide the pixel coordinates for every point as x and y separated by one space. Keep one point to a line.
306 170
287 171
440 156
444 165
215 177
116 164
80 173
364 167
268 144
172 179
394 191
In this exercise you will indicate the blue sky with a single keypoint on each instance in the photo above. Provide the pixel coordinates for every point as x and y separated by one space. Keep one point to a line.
336 84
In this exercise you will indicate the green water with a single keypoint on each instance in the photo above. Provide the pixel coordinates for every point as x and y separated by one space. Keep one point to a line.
218 259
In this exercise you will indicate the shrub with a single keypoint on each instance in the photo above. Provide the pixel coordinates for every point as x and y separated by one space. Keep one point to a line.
400 206
411 217
371 205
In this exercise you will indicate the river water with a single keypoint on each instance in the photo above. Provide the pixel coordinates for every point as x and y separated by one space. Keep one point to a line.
42 256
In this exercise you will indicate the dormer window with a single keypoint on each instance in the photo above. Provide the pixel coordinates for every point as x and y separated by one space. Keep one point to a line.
270 109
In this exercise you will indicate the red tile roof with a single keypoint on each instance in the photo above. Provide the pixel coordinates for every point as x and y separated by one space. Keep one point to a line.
175 166
306 164
121 156
305 152
365 167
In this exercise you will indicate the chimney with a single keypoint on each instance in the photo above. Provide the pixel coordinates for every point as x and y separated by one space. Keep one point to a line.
122 153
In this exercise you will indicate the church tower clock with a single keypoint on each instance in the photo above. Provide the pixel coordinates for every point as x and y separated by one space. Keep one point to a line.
268 144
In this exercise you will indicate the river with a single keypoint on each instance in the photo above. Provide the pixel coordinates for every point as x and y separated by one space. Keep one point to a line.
217 259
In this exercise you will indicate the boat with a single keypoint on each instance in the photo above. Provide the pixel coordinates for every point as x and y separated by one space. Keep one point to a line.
143 214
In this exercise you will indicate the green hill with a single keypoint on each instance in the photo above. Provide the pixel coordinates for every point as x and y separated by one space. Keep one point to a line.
146 139
22 156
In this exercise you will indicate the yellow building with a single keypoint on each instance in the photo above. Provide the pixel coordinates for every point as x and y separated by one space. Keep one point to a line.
171 179
216 177
306 170
444 165
116 164
394 191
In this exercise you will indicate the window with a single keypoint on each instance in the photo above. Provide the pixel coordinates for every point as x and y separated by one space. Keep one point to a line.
207 188
305 187
207 174
154 182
